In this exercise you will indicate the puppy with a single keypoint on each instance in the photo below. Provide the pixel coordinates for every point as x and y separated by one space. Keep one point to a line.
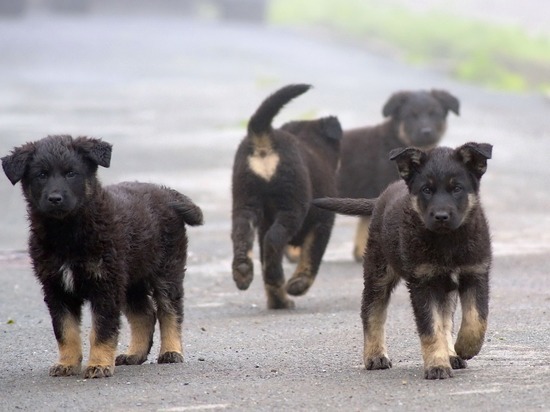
276 173
122 247
415 119
430 230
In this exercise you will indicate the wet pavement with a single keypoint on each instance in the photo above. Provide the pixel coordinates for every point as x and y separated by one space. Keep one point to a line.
173 96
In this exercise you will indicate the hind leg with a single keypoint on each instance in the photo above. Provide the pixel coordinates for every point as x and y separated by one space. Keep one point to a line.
361 238
274 241
140 313
313 248
293 253
242 235
169 299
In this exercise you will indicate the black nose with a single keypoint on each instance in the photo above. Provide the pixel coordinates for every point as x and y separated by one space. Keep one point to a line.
55 199
442 216
426 131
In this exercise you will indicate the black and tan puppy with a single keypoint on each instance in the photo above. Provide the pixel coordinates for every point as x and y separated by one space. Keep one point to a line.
276 173
122 247
429 230
415 118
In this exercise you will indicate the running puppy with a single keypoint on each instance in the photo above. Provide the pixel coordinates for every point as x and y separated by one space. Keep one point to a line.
429 230
415 118
276 174
122 248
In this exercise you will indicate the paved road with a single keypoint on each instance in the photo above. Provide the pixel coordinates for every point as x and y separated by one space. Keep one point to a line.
173 96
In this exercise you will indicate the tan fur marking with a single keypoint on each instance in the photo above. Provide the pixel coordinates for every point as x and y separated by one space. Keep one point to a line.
170 334
141 329
435 347
70 347
304 264
448 322
473 201
472 329
101 353
375 337
264 160
361 238
403 136
414 205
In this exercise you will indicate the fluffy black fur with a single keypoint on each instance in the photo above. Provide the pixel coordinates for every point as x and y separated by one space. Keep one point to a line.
430 230
276 173
121 247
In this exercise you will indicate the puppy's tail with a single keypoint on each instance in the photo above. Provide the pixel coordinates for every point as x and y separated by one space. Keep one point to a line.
188 211
354 207
260 122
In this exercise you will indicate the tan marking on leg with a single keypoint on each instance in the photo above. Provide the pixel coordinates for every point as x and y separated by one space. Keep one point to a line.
361 238
142 331
170 334
375 337
302 278
472 329
448 323
434 347
70 346
293 253
101 363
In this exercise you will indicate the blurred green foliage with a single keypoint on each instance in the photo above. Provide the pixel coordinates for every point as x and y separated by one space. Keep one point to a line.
495 56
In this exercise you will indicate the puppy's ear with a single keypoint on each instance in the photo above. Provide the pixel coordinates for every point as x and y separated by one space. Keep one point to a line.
474 156
394 103
96 150
409 161
447 100
15 164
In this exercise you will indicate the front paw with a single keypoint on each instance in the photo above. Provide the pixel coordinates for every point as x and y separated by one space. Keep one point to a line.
378 362
64 370
98 371
467 347
438 372
243 273
299 285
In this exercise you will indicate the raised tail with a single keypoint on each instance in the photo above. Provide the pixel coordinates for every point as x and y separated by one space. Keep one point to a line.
344 206
260 122
189 212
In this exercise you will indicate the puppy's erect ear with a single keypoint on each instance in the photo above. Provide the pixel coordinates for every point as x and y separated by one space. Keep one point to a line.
474 156
394 103
409 161
15 164
96 150
447 100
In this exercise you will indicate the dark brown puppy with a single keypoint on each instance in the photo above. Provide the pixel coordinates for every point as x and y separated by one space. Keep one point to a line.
122 247
276 173
416 119
429 230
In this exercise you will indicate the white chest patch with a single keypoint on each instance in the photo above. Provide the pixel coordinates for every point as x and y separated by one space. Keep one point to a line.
67 277
264 166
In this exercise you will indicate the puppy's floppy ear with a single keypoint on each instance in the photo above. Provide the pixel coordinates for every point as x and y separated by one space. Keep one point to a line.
447 100
96 150
409 161
15 164
394 103
474 156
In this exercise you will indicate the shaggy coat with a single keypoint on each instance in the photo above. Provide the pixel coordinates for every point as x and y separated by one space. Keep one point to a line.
430 230
121 247
276 173
416 119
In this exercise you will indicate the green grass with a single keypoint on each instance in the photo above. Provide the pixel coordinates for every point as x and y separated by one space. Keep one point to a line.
498 57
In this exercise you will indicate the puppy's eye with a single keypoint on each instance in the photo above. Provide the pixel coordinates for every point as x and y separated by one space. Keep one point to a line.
42 175
427 191
457 189
70 174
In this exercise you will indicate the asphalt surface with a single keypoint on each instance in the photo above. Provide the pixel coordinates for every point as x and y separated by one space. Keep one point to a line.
173 96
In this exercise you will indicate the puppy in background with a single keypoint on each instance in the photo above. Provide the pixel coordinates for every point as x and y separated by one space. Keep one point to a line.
415 118
122 248
430 230
276 174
